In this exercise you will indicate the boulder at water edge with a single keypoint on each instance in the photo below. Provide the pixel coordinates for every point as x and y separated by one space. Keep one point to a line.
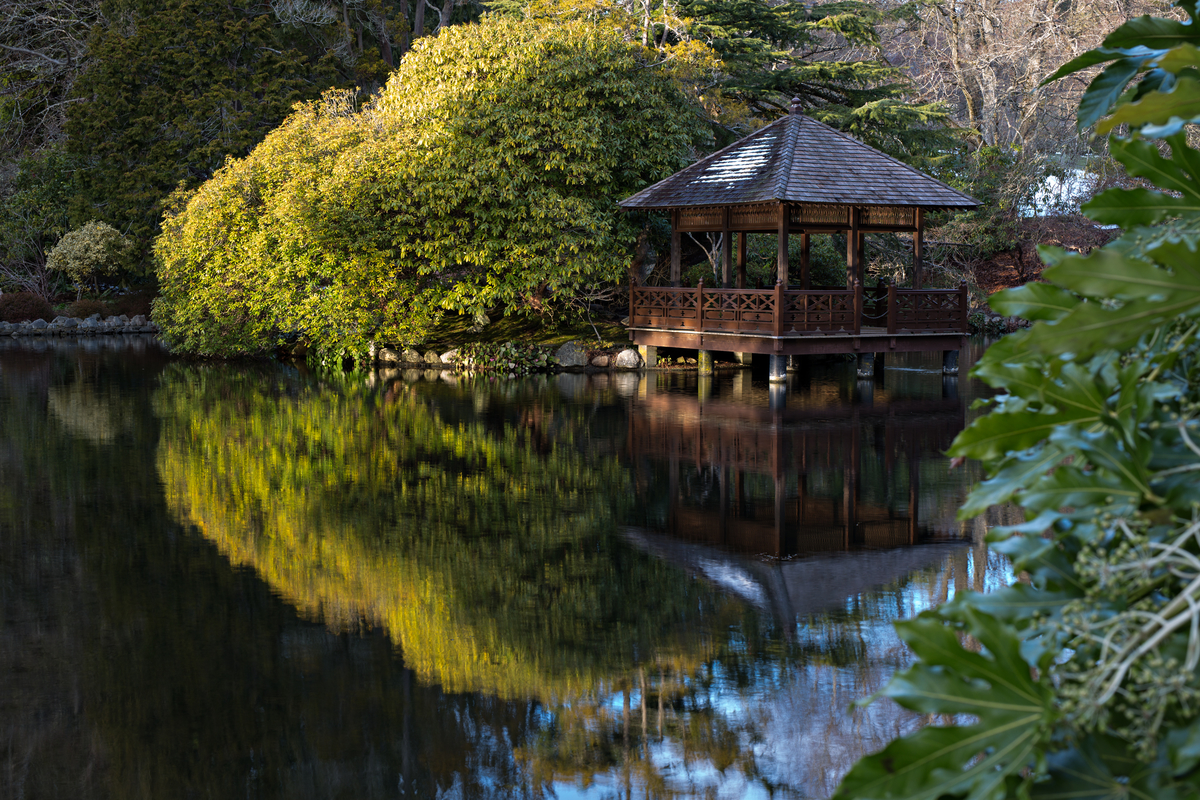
600 361
571 355
432 357
628 359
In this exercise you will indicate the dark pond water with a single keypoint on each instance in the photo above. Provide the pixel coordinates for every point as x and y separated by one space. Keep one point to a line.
245 581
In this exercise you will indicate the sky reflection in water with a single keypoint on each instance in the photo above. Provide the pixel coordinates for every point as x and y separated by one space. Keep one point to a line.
231 579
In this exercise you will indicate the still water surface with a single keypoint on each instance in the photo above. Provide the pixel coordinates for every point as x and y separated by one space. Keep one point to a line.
224 581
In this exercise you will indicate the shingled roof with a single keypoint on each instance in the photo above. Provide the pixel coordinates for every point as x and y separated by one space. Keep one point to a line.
799 160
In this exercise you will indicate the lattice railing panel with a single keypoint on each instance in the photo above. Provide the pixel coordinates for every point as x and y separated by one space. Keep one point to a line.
742 310
668 308
930 309
809 311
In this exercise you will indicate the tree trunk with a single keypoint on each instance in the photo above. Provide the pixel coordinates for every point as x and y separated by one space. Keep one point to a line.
405 39
419 20
447 11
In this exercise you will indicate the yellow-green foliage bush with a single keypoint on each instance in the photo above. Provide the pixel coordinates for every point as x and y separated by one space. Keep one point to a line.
92 249
486 173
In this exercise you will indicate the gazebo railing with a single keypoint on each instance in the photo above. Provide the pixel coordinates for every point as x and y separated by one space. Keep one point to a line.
927 309
766 312
795 312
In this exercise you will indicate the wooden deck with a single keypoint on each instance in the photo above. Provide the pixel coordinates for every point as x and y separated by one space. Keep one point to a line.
799 321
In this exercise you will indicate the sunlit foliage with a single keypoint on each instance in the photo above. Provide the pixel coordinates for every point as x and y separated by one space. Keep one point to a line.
460 187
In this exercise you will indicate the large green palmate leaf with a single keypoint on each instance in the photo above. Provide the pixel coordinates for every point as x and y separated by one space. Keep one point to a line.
1108 274
1047 562
1154 33
1022 602
1101 55
1104 90
1092 328
1014 712
1034 301
995 435
1183 101
1102 768
1139 206
1125 461
1142 160
1072 397
1012 475
1081 492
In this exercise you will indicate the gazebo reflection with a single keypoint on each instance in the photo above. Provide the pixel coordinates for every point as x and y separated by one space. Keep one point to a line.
835 470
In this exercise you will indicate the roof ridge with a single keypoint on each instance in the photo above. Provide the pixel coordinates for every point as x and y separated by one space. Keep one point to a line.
877 151
784 178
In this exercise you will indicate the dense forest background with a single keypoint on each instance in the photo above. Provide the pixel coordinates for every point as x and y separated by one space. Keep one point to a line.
109 109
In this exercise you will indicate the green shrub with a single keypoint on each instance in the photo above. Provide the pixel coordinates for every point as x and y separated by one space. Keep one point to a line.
93 249
21 306
456 189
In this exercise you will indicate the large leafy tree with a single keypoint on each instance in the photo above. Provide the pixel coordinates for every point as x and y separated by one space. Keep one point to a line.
1087 684
459 188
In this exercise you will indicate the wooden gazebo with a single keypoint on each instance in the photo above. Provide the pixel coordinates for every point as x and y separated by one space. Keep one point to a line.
797 176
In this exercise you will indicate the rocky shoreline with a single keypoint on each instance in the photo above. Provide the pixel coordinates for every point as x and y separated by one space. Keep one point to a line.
570 355
73 326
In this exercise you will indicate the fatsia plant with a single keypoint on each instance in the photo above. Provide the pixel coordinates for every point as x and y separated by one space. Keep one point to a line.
1081 682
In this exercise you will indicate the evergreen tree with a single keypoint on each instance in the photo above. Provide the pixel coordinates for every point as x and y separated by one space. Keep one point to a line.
172 90
745 60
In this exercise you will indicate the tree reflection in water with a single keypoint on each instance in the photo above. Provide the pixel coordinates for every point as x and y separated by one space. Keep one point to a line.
516 592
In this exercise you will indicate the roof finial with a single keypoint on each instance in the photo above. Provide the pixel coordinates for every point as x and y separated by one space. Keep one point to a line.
795 105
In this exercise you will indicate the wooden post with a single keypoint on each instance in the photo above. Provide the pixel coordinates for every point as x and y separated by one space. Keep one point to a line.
632 301
918 255
893 308
676 247
778 300
726 250
858 306
741 261
700 305
861 256
852 252
782 257
851 272
805 278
